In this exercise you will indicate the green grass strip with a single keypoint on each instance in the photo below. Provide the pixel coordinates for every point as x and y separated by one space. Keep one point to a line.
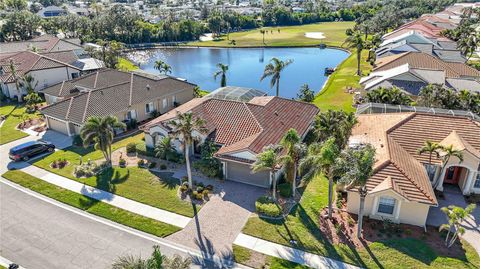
90 205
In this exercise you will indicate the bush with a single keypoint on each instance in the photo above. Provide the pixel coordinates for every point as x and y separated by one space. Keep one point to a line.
122 162
77 141
285 189
163 166
143 150
205 193
210 168
266 206
141 163
60 163
200 189
197 195
152 165
184 187
131 147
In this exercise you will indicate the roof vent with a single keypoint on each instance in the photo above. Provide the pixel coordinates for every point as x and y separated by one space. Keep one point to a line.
148 87
276 113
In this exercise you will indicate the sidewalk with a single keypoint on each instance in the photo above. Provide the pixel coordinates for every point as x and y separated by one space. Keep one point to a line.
288 253
109 198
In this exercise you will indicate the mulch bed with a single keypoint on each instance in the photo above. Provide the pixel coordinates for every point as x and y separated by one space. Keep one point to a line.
342 228
29 123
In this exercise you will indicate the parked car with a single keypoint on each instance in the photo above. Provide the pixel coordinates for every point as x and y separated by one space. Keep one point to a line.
24 151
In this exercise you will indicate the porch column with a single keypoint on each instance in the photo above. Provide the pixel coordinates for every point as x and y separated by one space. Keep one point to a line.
469 182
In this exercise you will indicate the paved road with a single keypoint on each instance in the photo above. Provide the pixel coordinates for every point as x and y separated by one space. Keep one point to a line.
38 234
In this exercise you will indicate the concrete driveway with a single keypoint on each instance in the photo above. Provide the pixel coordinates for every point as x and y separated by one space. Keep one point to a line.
453 196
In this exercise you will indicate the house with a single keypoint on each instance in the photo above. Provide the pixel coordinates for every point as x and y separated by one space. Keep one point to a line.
133 96
76 58
46 71
402 185
44 43
52 11
411 71
416 42
239 128
428 25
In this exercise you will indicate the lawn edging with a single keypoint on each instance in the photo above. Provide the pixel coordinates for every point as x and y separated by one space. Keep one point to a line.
90 205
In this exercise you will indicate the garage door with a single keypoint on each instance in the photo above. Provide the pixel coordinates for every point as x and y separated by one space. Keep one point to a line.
57 125
242 173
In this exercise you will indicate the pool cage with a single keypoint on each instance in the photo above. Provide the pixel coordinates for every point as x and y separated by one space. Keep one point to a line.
233 93
373 108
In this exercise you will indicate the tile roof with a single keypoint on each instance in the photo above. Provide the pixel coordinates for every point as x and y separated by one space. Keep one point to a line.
111 95
44 43
426 61
397 137
245 125
25 62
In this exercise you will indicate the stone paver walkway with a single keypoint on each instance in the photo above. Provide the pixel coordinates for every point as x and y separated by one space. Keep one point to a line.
109 198
291 254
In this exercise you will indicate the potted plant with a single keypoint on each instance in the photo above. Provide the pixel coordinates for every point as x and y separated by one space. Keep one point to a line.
122 162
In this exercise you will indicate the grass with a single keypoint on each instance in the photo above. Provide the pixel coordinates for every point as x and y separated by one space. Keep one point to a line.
333 95
244 255
8 131
158 190
302 225
288 36
126 65
90 205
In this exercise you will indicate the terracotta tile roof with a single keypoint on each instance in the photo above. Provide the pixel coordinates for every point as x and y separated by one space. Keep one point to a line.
397 137
459 143
425 61
248 126
44 43
25 62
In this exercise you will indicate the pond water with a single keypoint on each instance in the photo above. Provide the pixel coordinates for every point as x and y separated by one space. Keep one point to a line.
246 66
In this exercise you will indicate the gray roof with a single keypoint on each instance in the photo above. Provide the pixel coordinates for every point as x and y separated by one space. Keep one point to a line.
44 43
450 56
463 84
121 91
412 87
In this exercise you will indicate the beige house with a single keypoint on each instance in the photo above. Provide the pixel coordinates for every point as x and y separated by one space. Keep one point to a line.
402 185
241 126
128 96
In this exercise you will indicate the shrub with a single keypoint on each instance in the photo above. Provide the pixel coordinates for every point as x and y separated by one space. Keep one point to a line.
141 163
122 162
152 165
210 167
143 150
87 169
163 166
131 147
285 189
77 141
185 179
205 193
199 189
265 205
184 187
197 195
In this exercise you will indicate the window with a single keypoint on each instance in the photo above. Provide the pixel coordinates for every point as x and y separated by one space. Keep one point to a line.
386 205
149 107
131 115
477 179
165 103
74 75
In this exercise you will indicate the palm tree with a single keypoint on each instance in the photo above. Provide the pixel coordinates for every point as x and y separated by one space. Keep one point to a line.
100 131
223 68
29 82
164 148
393 96
355 167
430 148
162 67
320 161
469 43
448 152
183 128
333 123
263 35
456 215
13 72
269 160
355 41
292 142
274 69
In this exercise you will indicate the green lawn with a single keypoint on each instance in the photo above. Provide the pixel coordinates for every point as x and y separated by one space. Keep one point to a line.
333 95
244 256
8 131
90 205
134 183
288 36
302 225
126 65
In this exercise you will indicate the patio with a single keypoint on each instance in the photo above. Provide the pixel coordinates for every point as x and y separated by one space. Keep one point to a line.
453 196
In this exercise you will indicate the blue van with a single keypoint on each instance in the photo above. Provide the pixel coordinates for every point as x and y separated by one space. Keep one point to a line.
24 151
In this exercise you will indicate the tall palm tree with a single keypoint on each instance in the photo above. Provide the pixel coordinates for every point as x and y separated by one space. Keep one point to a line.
430 148
333 123
468 43
320 161
13 72
223 68
356 42
29 82
183 128
100 131
355 167
269 160
274 70
263 35
292 142
164 148
447 152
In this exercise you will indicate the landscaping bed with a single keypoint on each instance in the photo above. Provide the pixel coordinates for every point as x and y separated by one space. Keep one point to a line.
303 226
90 205
13 117
255 259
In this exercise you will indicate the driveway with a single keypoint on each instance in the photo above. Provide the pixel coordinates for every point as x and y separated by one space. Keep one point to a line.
221 220
453 196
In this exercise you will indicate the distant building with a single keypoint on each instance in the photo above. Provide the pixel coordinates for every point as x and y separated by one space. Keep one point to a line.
52 11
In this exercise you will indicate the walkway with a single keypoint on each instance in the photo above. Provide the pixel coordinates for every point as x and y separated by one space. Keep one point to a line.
288 253
109 198
453 196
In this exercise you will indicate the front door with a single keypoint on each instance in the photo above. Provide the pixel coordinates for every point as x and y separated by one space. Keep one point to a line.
452 175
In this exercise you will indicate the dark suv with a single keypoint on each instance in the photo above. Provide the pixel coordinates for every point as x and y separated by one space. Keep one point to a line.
26 150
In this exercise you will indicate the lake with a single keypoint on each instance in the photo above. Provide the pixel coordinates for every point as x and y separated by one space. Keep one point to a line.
246 66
